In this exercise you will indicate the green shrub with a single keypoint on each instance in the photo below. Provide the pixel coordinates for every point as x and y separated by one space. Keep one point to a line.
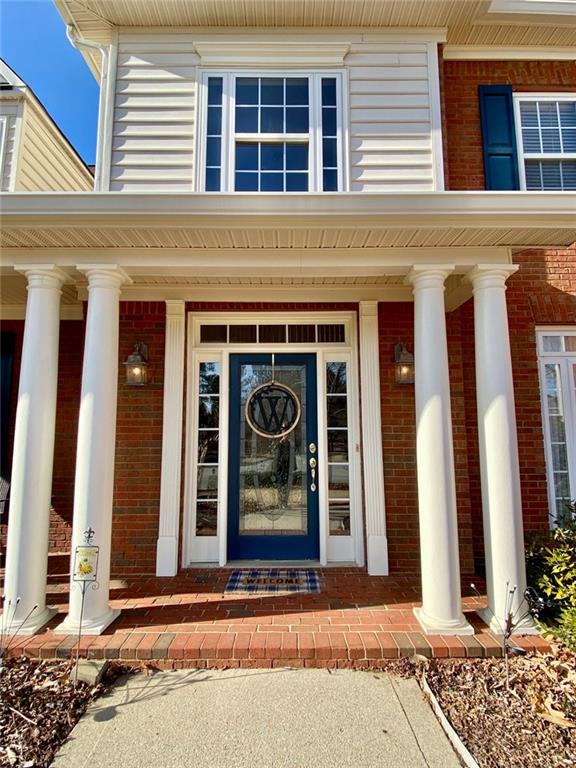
558 578
565 629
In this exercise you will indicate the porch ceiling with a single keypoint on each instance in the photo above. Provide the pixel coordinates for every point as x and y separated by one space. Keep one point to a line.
472 22
227 222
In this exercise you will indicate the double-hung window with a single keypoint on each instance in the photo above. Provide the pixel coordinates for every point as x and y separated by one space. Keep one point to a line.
272 132
557 362
546 138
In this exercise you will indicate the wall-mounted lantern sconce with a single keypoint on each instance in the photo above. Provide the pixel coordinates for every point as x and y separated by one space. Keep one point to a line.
404 364
137 366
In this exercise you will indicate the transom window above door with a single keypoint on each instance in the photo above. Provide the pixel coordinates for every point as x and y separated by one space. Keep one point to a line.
273 133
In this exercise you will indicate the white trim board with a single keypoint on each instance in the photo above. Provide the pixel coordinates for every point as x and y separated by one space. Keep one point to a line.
497 53
212 549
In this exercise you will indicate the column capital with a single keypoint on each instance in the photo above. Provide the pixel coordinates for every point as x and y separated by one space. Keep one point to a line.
491 275
104 275
368 308
429 275
43 275
175 308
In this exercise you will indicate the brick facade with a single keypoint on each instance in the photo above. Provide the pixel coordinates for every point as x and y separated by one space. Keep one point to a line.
460 80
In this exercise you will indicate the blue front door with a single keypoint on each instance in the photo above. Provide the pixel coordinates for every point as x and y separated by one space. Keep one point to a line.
273 462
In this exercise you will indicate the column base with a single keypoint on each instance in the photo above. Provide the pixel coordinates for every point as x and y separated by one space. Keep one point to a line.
431 626
525 627
89 627
33 625
167 556
378 556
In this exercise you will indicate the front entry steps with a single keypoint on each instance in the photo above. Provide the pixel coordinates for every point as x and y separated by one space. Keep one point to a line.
356 621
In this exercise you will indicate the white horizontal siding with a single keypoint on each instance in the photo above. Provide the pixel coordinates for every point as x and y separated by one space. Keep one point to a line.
9 116
47 162
390 122
154 113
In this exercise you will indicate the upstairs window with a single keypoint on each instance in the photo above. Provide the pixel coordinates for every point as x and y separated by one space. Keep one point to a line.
546 130
273 133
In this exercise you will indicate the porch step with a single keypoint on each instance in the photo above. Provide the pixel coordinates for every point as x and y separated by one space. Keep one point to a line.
58 566
338 650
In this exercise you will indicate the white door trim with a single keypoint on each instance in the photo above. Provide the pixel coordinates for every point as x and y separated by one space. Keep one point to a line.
213 549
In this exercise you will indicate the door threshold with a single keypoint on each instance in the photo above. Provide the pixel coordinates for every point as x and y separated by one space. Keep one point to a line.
239 564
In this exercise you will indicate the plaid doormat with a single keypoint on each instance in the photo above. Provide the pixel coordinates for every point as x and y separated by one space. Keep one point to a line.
273 580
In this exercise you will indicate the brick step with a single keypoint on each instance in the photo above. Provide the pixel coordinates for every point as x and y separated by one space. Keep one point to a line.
58 566
358 650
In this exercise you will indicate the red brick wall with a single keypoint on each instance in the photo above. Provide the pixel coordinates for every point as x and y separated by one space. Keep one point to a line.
542 292
396 323
460 81
138 444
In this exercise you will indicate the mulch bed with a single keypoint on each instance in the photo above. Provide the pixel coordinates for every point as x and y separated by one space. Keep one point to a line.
532 724
39 706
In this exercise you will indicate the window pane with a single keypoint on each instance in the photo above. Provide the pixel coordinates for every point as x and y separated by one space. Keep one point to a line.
246 119
212 179
548 113
531 140
297 157
246 157
336 378
296 182
208 411
568 174
206 518
569 139
272 157
339 515
331 334
297 120
570 345
215 91
213 151
246 90
336 407
272 334
567 113
338 481
552 343
330 181
551 141
529 114
243 334
208 447
214 121
329 121
207 485
272 182
337 445
272 90
328 91
533 174
297 90
301 334
246 182
272 120
209 383
551 178
329 153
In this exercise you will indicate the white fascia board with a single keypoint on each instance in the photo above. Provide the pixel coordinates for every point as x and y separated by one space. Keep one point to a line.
517 53
397 210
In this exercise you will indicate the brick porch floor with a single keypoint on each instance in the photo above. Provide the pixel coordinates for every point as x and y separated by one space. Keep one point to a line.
355 621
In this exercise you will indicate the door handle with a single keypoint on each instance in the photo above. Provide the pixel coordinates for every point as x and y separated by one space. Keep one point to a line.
312 464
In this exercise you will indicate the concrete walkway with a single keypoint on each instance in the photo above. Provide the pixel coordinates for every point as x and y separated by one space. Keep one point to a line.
269 718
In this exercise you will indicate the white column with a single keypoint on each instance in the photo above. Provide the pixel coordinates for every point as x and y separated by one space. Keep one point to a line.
167 546
372 462
31 482
94 483
500 474
441 611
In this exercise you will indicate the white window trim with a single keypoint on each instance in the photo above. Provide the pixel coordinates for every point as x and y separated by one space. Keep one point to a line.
3 146
314 137
213 549
522 156
565 360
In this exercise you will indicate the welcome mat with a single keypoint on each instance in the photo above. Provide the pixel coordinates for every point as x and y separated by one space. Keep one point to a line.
273 580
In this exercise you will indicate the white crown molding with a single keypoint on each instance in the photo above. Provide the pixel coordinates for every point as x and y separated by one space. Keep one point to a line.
271 53
517 53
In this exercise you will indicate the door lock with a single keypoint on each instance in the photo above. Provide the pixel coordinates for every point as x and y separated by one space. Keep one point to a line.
312 447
